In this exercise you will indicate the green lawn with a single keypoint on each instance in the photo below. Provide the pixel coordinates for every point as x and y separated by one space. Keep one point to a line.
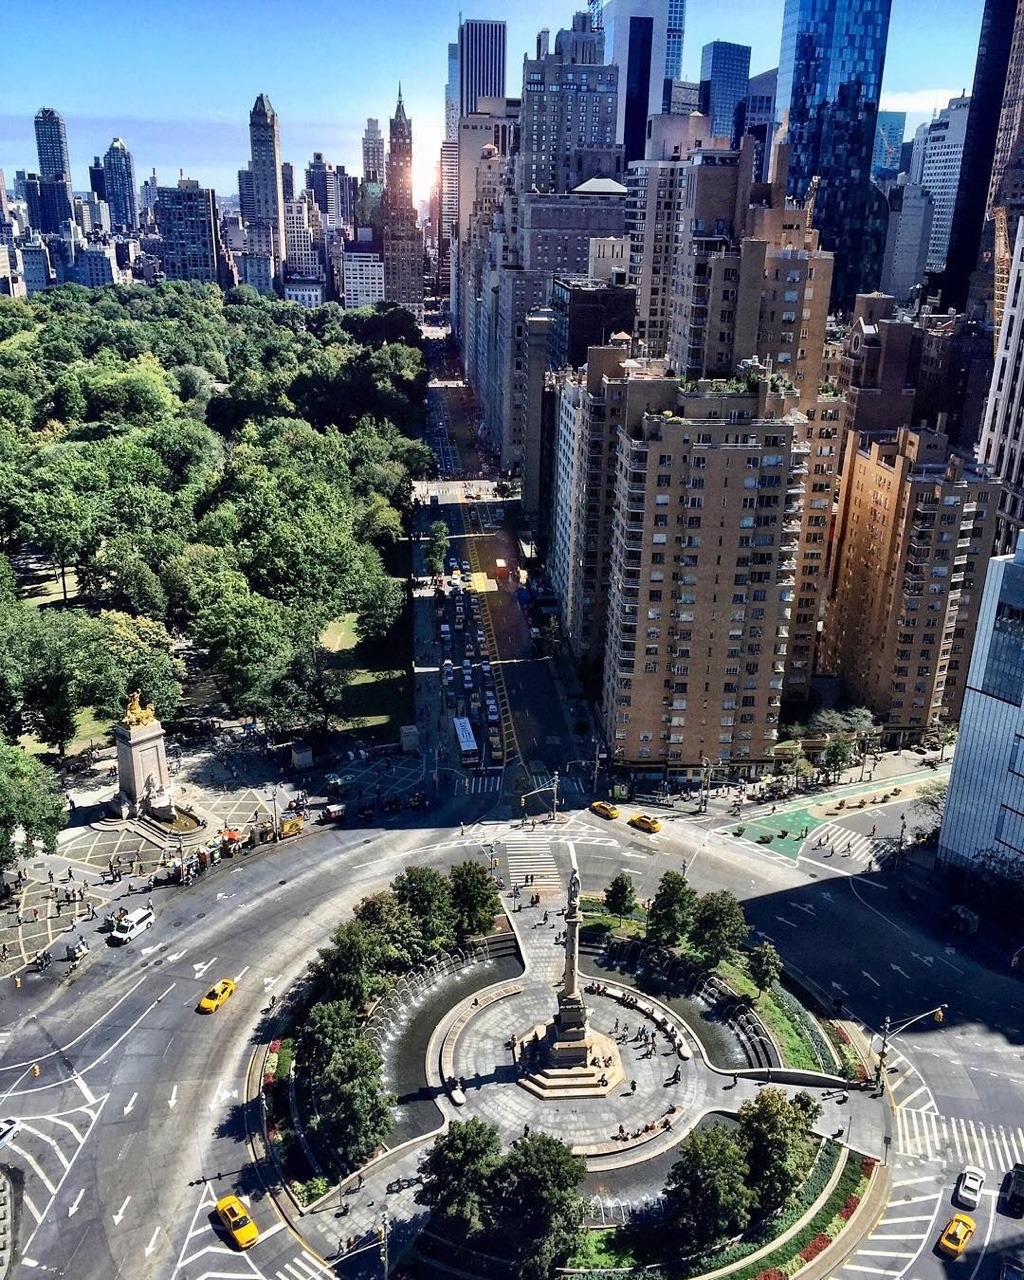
380 697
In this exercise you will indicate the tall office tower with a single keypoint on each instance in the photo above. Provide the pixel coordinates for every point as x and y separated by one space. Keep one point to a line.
830 76
706 508
568 112
760 118
637 40
246 197
583 478
724 85
889 130
940 173
97 179
348 196
119 180
403 240
977 170
266 230
52 146
912 542
662 62
982 824
322 185
451 94
373 152
191 249
1001 445
449 210
288 180
481 63
911 214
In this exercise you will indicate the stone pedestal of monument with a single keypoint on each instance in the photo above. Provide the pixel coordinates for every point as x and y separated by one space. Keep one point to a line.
142 773
579 1061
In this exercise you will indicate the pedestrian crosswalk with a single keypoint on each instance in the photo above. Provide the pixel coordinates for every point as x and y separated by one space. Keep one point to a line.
482 782
900 1234
530 855
303 1267
479 783
842 844
925 1133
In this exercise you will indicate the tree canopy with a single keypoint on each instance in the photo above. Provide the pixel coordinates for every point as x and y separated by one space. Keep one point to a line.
232 465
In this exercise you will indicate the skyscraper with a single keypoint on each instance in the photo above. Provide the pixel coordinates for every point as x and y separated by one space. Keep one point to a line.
451 95
990 80
97 179
760 118
940 173
266 232
481 56
724 83
403 240
830 77
52 146
119 184
373 152
322 186
889 130
644 39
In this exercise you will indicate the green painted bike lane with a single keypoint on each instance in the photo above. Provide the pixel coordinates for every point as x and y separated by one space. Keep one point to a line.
787 829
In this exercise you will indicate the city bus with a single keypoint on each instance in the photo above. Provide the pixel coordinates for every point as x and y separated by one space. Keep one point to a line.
468 750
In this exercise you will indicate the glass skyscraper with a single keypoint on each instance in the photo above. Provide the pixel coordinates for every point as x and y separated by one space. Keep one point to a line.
724 84
830 77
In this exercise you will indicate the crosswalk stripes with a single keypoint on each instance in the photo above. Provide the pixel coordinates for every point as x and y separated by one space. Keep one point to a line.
899 1235
303 1267
565 785
481 782
531 856
832 841
994 1147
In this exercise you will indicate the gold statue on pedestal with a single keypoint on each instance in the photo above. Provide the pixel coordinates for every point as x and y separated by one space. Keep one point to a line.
136 714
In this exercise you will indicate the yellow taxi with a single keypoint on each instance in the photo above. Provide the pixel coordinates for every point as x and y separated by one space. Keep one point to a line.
957 1235
644 822
235 1217
216 996
604 810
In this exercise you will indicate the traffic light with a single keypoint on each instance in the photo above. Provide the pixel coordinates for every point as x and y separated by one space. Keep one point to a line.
36 1070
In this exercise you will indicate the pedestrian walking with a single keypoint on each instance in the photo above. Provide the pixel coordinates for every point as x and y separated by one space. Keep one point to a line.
632 1086
35 914
4 952
57 905
149 904
50 874
92 910
71 873
462 828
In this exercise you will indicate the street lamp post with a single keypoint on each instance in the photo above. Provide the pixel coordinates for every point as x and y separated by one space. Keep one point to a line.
888 1029
384 1242
273 801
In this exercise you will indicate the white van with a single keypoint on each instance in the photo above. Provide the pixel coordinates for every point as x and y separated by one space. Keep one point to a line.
131 925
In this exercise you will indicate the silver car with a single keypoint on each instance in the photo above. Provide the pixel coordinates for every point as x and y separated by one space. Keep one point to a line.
970 1185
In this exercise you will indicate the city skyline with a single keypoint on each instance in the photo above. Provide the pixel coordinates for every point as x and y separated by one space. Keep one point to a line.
201 126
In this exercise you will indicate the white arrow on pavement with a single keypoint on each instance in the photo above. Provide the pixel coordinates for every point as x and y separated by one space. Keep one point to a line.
928 960
896 969
148 951
269 982
73 1207
152 1242
177 955
837 987
241 974
130 1104
172 1101
222 896
865 974
826 896
804 906
119 1216
200 969
792 923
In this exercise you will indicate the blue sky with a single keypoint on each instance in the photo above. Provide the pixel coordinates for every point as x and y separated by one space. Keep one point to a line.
176 80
